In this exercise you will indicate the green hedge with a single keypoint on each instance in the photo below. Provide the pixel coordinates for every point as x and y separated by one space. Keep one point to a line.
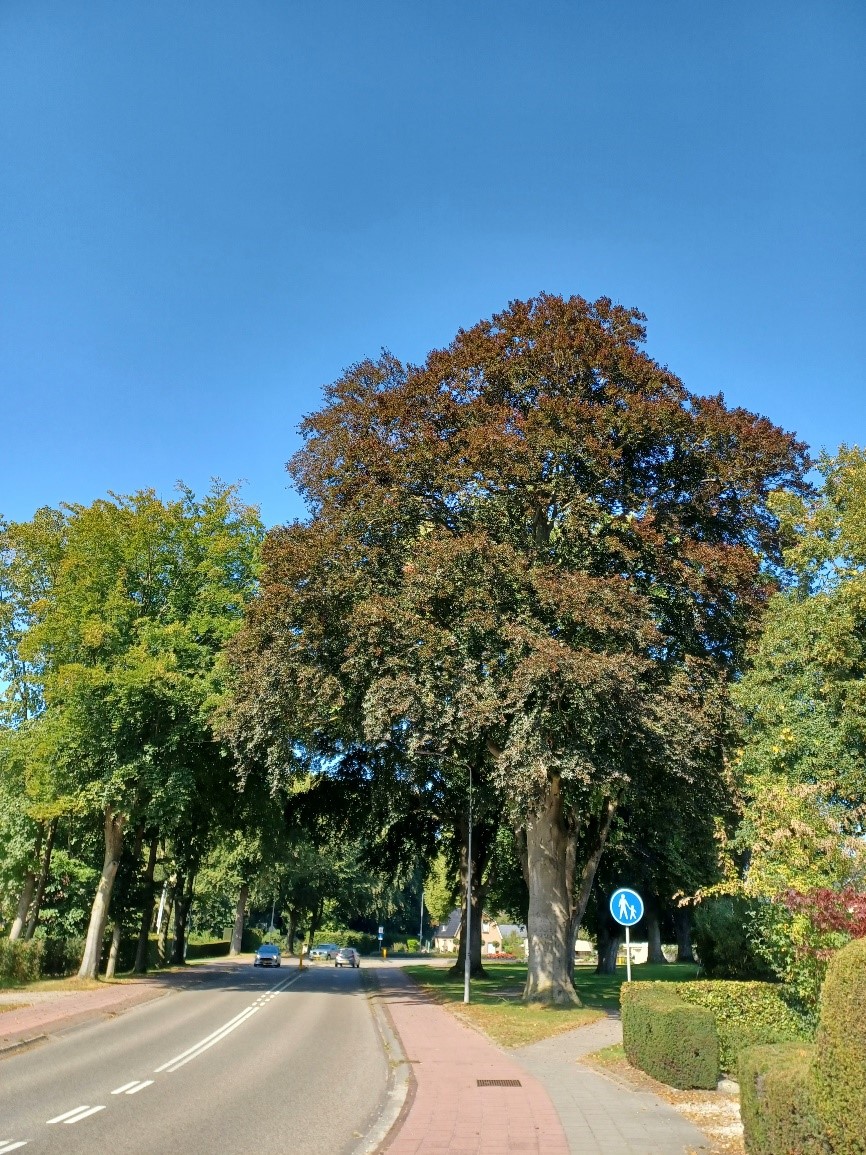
839 1069
672 1040
21 962
362 942
62 956
777 1106
745 1014
214 948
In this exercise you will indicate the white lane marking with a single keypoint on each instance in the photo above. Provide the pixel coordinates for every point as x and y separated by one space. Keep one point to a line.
220 1033
241 1014
83 1115
10 1146
65 1115
206 1046
140 1087
125 1087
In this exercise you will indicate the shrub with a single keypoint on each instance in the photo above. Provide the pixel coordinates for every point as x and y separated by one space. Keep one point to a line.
62 956
412 945
776 1103
252 939
20 962
721 936
672 1040
839 1069
215 948
745 1014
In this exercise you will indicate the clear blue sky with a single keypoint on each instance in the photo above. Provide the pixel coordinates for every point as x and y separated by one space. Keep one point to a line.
209 209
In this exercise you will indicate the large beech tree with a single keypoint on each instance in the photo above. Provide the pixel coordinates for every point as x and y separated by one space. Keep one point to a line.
537 550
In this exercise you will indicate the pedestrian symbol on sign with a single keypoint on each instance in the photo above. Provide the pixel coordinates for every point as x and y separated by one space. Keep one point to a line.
626 908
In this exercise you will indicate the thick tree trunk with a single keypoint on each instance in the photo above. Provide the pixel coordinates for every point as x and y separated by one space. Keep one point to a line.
654 933
141 951
551 845
24 900
26 896
683 929
608 949
482 844
293 922
113 950
33 921
240 915
181 916
113 831
162 936
557 894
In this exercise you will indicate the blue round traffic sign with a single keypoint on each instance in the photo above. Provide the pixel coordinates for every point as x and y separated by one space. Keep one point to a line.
626 906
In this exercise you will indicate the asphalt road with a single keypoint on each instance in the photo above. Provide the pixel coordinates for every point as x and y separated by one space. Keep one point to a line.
242 1061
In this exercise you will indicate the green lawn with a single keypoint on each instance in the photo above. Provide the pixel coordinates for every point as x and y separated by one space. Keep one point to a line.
496 1009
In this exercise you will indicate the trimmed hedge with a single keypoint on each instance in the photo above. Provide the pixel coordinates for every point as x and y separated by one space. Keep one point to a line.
672 1040
777 1106
62 956
214 948
746 1014
839 1068
20 961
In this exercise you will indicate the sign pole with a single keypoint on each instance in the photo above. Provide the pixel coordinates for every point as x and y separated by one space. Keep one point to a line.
467 960
627 955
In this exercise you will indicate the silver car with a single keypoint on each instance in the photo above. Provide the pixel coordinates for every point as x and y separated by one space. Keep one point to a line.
347 956
267 955
327 950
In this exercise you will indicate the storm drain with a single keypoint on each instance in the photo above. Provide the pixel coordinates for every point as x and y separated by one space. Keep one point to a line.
498 1082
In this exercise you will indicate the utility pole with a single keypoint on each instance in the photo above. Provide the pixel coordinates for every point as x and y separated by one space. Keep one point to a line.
467 967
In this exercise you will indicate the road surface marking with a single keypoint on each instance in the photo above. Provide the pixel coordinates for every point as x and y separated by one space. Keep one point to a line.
244 1014
206 1044
10 1146
140 1087
220 1033
84 1114
66 1114
125 1087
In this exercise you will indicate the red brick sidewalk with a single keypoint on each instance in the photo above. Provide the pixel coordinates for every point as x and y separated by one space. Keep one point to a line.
51 1013
450 1112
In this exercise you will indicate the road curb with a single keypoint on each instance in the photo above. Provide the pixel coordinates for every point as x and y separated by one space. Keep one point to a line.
400 1092
7 1049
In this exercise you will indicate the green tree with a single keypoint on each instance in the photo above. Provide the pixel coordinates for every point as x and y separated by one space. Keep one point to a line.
536 551
126 638
803 704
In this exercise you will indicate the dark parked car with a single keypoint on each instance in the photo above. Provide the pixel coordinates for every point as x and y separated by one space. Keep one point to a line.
347 956
267 955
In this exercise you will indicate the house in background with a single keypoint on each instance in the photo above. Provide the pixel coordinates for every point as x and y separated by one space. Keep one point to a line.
446 936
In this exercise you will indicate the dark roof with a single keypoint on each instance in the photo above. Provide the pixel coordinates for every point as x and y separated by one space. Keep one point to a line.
450 928
506 928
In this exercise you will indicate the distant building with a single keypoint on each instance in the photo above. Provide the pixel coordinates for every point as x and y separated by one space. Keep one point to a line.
446 936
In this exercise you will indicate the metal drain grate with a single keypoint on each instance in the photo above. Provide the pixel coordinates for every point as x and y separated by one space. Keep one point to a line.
498 1082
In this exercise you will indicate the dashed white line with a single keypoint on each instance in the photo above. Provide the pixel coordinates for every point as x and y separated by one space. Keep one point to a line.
140 1087
75 1114
8 1145
84 1114
122 1090
65 1115
214 1037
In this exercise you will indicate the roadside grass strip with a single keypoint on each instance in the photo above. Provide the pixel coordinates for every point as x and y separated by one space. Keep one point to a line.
75 1115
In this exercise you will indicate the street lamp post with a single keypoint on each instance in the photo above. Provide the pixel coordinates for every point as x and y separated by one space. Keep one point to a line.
467 962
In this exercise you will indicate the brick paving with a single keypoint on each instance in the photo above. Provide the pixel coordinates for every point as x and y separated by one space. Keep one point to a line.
450 1114
601 1117
48 1013
560 1106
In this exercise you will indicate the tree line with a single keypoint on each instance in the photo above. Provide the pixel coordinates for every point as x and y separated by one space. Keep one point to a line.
535 563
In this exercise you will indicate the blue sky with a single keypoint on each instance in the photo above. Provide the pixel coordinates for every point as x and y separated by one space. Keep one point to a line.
209 209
